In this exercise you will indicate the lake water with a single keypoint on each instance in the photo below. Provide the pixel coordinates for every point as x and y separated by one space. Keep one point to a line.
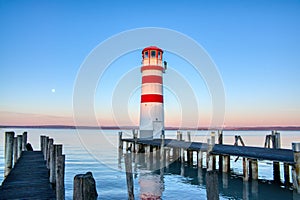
97 151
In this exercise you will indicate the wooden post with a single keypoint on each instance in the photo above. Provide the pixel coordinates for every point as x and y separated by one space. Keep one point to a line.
52 163
46 140
60 177
226 164
15 150
162 152
9 141
50 143
212 185
286 173
276 166
129 178
220 141
42 142
84 187
189 152
24 141
213 142
134 134
254 169
19 142
245 169
296 167
200 159
120 141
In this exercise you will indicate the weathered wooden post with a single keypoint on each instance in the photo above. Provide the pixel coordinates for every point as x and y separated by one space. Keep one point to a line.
226 164
42 143
120 141
276 166
200 159
60 177
50 143
129 178
245 169
220 141
296 167
211 159
135 134
189 152
162 152
19 143
9 141
212 185
254 169
52 163
15 150
46 140
24 141
286 168
84 187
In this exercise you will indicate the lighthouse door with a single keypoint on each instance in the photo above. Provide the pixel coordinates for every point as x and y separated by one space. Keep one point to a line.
157 129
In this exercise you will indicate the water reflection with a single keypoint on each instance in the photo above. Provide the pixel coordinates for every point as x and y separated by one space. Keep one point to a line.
151 181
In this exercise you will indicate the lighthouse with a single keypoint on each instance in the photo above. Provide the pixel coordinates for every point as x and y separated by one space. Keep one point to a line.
152 100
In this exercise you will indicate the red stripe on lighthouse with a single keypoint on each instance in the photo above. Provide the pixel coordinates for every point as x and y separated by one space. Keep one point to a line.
149 67
152 79
156 98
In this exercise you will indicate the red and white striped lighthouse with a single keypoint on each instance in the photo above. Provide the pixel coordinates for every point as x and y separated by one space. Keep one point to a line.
152 101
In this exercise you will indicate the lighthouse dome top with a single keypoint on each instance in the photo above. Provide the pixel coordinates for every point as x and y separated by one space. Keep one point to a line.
152 48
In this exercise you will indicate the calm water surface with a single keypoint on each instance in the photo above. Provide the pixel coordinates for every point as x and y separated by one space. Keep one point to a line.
96 151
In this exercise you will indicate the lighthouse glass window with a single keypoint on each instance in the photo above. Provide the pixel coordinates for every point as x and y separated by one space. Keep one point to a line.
152 54
146 54
159 55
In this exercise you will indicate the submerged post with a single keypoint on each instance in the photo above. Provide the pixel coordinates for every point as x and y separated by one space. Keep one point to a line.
9 140
296 167
129 178
254 169
245 169
212 185
85 187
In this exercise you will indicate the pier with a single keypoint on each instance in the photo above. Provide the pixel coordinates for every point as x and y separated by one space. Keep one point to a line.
32 174
192 154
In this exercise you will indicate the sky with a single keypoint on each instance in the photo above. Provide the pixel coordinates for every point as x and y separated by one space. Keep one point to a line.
253 44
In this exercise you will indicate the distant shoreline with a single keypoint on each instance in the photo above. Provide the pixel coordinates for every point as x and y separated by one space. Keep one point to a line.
254 128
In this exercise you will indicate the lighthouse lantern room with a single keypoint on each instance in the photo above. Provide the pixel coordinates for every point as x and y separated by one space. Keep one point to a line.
152 101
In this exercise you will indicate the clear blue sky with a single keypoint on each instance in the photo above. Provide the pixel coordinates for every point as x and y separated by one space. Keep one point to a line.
254 44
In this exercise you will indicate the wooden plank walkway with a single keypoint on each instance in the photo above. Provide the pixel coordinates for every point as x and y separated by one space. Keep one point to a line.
29 179
280 155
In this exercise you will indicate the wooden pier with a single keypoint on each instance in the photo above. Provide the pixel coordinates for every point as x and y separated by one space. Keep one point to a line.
183 151
28 179
32 174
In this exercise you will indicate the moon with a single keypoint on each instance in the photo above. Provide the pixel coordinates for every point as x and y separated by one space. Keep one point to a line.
53 90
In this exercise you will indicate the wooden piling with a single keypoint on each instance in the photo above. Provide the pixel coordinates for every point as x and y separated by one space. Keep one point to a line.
52 150
15 150
276 166
254 169
296 167
60 177
9 141
286 168
50 143
212 185
42 142
46 140
220 141
189 152
19 143
226 164
24 141
245 169
162 152
84 187
129 178
120 141
200 159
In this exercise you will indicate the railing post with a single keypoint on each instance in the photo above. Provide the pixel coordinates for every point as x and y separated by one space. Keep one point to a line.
24 141
19 143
